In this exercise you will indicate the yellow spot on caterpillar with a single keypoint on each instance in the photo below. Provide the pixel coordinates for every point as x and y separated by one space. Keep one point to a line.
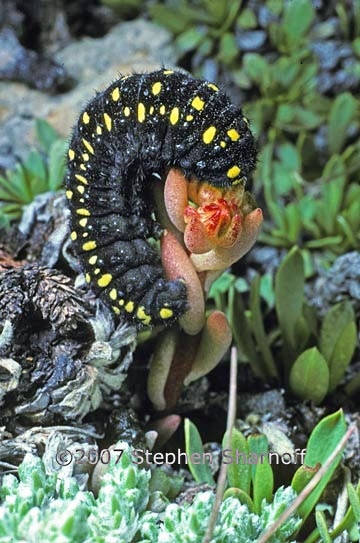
83 167
88 146
69 194
73 236
108 121
113 294
127 111
166 313
213 87
85 234
87 278
223 144
141 112
129 307
121 302
96 271
105 280
162 110
116 310
174 115
141 315
81 178
167 72
83 211
151 110
233 134
86 118
115 95
98 130
233 172
89 246
82 201
92 260
85 157
197 103
83 222
189 117
81 189
209 134
156 88
71 154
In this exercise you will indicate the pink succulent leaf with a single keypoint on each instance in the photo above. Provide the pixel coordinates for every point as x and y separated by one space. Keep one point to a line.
160 367
176 198
215 340
177 265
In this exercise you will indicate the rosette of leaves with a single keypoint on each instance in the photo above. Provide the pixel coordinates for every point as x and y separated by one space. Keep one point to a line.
42 171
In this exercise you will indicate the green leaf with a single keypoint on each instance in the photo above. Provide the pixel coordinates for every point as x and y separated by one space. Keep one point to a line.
341 115
322 527
309 376
289 294
189 40
222 284
322 442
239 472
262 474
257 69
259 330
193 446
299 15
354 500
241 496
46 134
56 164
228 48
170 18
246 19
338 338
303 476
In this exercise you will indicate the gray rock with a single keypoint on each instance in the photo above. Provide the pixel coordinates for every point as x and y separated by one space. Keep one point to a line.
94 63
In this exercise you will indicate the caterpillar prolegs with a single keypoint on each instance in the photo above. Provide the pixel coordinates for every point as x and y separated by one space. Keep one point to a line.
126 138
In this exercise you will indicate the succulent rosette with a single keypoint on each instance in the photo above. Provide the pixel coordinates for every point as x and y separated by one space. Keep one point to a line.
207 229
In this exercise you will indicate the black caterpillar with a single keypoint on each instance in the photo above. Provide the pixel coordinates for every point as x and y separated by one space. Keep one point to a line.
132 133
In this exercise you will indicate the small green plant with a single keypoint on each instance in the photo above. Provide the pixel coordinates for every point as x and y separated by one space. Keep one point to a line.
310 357
40 172
251 480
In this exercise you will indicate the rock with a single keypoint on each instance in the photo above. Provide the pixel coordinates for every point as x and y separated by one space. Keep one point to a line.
94 64
339 283
251 40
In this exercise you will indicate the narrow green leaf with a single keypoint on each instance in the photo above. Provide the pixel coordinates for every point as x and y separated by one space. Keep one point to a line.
354 500
261 470
322 442
194 449
46 134
259 330
322 527
309 376
341 115
56 164
289 294
299 15
338 338
239 473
